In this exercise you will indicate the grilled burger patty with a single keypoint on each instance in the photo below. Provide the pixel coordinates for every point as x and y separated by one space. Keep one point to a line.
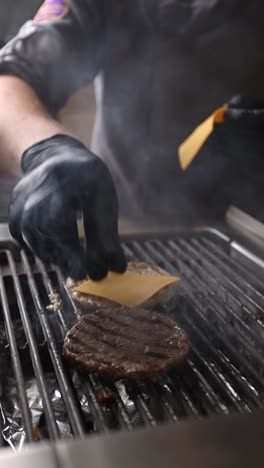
126 343
86 303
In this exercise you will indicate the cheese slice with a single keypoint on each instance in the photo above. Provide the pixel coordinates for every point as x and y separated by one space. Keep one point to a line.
129 289
192 145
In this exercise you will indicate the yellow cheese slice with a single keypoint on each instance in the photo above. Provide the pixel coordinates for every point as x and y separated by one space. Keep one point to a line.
129 289
190 147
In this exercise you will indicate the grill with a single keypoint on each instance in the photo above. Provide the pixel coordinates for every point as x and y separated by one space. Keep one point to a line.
220 303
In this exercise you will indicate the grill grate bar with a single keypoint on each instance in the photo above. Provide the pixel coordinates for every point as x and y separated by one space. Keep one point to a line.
2 443
254 298
138 253
36 362
240 271
160 256
166 404
178 388
125 418
100 387
222 381
233 350
138 398
63 380
50 292
229 368
219 285
65 387
20 383
89 386
196 301
66 295
218 302
212 401
159 405
202 280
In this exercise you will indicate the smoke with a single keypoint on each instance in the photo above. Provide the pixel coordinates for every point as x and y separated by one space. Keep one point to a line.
189 16
157 87
162 66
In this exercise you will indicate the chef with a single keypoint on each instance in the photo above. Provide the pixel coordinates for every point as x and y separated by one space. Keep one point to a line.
160 67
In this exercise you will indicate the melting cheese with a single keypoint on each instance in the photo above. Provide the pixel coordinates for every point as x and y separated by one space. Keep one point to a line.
129 289
192 145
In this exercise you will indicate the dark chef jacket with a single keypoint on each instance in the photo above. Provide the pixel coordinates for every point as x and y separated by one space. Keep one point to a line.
160 67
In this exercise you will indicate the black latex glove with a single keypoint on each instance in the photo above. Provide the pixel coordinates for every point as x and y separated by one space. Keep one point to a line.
246 112
229 169
62 178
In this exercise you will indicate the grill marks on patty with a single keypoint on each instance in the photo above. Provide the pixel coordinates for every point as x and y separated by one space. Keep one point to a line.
126 343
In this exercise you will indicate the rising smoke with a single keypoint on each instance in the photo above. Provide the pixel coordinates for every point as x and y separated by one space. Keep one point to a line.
161 66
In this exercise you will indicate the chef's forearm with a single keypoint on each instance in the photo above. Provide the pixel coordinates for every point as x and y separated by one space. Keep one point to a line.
23 122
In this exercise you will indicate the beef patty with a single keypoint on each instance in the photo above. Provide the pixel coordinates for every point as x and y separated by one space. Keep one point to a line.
87 303
126 343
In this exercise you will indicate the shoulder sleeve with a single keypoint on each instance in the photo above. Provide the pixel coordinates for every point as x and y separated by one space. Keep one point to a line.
58 52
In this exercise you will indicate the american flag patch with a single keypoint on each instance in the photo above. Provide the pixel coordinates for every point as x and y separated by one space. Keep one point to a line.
52 10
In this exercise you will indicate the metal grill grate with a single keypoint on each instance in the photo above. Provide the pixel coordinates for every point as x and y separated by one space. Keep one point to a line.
220 303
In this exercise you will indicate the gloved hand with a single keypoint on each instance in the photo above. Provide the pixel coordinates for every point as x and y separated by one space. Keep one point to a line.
246 111
62 178
229 169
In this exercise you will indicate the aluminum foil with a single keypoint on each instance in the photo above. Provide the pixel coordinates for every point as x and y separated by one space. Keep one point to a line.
106 393
12 428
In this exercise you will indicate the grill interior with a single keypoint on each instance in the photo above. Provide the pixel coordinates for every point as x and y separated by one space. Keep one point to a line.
220 303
